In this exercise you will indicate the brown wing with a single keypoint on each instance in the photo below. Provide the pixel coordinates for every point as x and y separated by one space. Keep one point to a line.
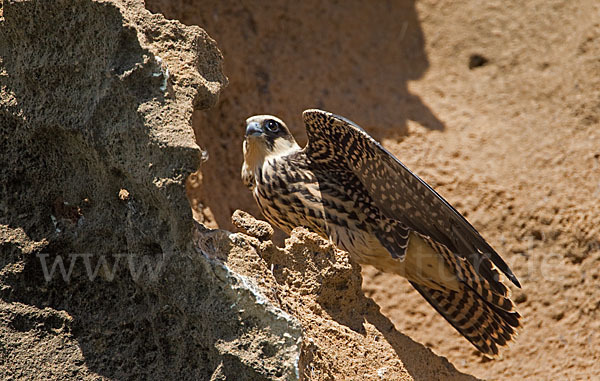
340 145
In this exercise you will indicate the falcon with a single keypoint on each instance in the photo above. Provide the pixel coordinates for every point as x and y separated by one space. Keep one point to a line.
346 187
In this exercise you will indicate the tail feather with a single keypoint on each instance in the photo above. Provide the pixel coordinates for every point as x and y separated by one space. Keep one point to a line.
485 325
495 293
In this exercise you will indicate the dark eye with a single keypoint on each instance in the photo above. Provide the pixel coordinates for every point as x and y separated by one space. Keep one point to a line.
272 125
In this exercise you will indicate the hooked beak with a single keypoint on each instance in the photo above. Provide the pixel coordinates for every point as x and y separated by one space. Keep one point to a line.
253 129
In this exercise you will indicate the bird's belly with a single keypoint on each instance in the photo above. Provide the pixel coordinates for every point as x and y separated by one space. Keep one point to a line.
364 248
287 209
421 263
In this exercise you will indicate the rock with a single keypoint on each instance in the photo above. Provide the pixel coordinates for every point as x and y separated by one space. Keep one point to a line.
265 338
251 226
343 332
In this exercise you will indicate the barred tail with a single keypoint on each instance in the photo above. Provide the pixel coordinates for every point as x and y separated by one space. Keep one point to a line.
485 325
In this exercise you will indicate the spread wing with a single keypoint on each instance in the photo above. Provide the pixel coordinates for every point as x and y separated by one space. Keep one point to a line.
341 146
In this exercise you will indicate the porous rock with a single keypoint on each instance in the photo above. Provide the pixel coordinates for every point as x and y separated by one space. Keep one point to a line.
344 334
251 226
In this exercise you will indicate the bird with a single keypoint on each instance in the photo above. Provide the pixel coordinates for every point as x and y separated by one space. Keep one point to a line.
346 187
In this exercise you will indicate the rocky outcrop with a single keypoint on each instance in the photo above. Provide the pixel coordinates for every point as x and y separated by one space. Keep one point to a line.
345 336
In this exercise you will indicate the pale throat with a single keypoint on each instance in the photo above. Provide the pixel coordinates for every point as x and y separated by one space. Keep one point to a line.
257 154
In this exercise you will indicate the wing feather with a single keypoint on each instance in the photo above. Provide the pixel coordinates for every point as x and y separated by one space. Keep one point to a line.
341 145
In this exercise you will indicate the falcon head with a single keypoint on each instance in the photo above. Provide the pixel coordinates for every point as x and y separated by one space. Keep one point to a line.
267 135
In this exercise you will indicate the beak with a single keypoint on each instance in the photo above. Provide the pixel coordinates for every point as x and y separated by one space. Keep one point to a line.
253 129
